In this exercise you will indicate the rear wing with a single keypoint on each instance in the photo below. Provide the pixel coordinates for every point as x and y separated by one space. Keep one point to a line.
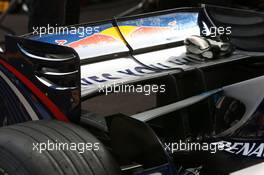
69 66
109 50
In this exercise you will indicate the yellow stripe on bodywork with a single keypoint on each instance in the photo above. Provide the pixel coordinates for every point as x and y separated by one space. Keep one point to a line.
113 32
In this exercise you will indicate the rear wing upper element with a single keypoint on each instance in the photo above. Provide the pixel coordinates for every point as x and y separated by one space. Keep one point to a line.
124 35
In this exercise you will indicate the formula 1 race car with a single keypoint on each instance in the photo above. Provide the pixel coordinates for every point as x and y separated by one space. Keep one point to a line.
150 94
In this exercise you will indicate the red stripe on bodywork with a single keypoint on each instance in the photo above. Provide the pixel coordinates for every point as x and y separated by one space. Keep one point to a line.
44 99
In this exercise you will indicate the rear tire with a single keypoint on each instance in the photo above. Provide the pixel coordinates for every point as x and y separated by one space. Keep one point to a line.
18 156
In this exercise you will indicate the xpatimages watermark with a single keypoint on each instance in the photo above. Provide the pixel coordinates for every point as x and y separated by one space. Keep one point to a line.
60 146
146 89
63 30
182 146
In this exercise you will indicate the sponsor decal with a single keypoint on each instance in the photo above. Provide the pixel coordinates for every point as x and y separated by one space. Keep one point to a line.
125 70
248 149
134 72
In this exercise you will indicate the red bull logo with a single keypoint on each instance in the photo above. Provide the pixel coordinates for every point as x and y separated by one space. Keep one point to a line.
146 31
111 35
94 39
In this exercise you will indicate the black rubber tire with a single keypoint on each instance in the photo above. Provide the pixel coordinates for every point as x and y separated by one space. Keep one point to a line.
17 156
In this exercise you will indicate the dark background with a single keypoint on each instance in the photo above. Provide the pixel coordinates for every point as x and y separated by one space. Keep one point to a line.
90 12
